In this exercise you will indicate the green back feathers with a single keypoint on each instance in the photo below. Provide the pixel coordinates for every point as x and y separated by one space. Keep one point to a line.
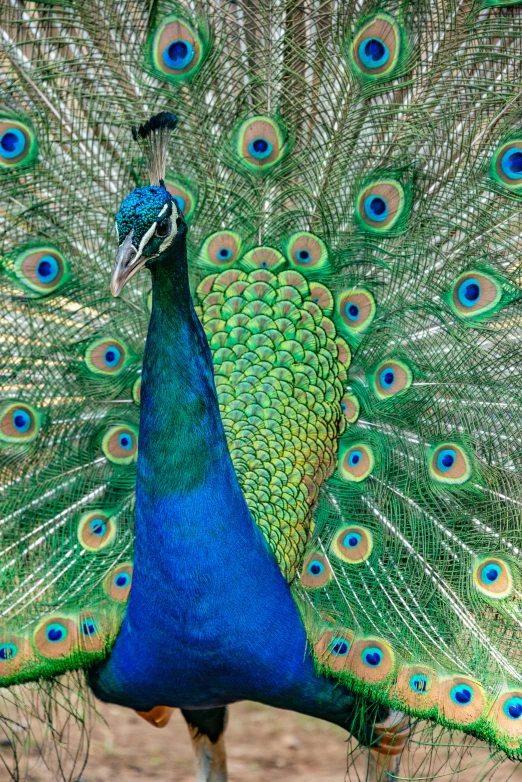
278 374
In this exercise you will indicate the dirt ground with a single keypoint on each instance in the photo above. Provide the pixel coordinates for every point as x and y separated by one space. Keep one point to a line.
263 744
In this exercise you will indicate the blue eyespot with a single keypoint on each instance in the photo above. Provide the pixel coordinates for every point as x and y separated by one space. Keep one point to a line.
372 656
21 420
47 268
303 256
446 459
12 143
419 683
387 377
373 53
112 356
461 694
122 580
260 148
56 632
351 310
354 458
180 202
513 708
178 55
8 652
490 573
511 163
315 568
89 627
469 292
376 208
125 441
339 646
352 540
98 527
224 253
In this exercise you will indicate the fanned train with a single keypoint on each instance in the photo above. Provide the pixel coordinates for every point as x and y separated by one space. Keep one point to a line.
351 177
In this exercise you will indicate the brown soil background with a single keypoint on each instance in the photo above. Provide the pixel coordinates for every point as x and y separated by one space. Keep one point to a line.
263 744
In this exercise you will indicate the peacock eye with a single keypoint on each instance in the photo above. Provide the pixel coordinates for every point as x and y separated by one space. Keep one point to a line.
163 229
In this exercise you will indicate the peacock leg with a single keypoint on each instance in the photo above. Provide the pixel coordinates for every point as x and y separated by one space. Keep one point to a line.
207 732
389 741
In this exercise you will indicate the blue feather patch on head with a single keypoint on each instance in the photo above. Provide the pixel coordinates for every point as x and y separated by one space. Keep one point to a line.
141 209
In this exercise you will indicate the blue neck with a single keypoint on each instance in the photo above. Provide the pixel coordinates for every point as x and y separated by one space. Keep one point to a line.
181 434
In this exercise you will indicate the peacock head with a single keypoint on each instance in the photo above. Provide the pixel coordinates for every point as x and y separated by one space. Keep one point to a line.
148 222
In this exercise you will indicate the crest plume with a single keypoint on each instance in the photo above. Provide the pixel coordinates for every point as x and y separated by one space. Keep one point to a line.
153 138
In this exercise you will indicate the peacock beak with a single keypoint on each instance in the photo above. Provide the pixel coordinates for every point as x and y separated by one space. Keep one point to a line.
128 262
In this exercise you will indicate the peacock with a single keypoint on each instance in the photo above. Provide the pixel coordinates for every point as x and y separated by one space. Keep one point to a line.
273 453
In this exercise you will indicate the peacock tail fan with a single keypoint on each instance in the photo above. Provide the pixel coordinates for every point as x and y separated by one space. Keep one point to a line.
351 173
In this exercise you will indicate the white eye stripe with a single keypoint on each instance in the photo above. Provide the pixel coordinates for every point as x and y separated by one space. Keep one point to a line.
163 210
146 238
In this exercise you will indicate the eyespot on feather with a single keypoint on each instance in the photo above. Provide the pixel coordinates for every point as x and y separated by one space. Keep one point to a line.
493 578
461 700
333 647
417 687
375 50
262 258
177 49
380 205
506 714
391 378
316 571
506 166
92 632
120 444
350 408
449 463
474 294
18 145
260 143
56 636
19 422
106 356
14 653
220 250
42 269
183 194
353 544
118 583
356 462
307 252
372 660
355 310
96 530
